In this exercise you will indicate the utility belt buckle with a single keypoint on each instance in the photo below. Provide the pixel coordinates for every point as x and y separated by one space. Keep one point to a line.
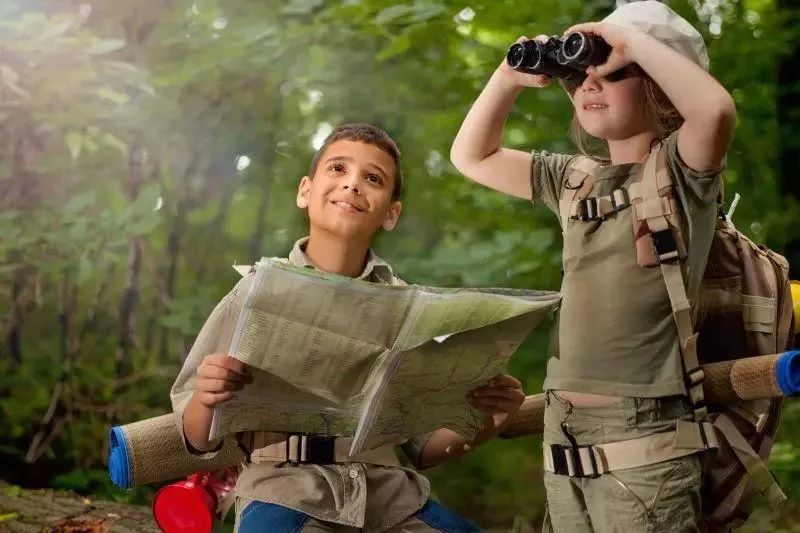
310 448
561 454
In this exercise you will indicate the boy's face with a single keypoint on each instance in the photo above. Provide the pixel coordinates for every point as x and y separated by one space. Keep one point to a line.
350 194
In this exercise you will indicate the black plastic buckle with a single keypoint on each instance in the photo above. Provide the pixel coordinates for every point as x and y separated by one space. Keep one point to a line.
561 466
320 449
664 245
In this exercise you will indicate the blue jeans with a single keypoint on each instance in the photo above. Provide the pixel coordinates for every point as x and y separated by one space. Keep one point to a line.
261 517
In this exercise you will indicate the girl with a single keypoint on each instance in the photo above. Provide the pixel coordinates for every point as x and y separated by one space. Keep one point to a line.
617 383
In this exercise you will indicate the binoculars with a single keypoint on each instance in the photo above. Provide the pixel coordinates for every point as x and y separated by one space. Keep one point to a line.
565 58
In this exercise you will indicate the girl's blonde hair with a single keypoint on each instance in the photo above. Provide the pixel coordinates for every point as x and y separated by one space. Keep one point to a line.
660 113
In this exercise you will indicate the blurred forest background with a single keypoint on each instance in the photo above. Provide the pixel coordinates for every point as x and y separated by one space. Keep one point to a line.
146 146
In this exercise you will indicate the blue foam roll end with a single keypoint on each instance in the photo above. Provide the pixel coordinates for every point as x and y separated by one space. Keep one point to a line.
787 372
119 462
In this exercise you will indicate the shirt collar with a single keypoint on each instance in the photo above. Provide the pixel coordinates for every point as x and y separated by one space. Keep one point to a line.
376 268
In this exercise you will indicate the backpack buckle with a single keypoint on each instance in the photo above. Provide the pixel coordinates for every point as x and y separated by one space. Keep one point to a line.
620 199
664 245
319 449
588 209
695 376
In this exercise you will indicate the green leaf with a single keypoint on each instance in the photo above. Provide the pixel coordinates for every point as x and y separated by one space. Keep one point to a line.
301 7
104 46
398 46
112 95
393 13
10 79
13 491
74 142
114 141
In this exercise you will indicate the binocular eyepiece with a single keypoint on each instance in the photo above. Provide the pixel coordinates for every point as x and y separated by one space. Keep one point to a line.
565 58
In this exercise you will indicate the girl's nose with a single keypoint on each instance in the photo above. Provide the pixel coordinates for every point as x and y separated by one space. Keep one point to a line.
590 84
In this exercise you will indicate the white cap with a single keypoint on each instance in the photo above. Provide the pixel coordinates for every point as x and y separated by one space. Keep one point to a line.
659 21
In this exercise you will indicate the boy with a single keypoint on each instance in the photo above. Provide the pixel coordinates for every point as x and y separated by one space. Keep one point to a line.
351 192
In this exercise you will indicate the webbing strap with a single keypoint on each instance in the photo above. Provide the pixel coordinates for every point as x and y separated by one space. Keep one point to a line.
595 460
667 253
757 472
270 447
578 183
601 207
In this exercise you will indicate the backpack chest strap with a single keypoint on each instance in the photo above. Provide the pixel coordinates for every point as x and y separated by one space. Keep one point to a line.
600 207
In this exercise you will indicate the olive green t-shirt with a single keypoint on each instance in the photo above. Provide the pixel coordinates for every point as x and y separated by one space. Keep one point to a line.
616 334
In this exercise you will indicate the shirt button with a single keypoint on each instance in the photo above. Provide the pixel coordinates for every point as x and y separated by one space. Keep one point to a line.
353 473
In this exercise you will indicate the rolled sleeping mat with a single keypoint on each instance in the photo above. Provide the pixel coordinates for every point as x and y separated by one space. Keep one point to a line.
749 378
152 450
753 378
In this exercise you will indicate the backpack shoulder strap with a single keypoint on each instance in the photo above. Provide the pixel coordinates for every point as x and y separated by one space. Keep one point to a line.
654 211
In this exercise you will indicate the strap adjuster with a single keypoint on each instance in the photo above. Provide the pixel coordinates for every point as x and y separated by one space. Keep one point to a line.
563 455
695 376
664 245
624 199
319 449
588 209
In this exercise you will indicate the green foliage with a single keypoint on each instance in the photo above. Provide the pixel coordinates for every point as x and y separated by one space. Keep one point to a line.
125 120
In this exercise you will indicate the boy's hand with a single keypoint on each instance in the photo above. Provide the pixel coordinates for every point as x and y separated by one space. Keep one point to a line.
219 377
523 79
500 399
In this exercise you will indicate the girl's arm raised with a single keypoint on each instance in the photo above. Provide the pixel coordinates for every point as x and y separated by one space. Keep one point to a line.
707 108
476 150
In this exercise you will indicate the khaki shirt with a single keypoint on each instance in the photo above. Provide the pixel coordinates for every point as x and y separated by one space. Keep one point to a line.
357 494
616 333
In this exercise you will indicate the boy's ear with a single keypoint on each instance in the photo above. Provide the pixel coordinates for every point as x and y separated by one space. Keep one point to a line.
392 215
303 190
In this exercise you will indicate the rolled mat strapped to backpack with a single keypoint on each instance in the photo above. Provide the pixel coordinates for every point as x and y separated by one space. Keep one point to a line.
152 450
751 378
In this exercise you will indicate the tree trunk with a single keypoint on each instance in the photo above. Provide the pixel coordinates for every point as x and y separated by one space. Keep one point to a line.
59 410
174 241
269 172
789 107
130 296
33 511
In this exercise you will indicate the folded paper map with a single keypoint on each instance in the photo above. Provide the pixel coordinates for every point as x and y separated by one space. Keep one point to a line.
378 363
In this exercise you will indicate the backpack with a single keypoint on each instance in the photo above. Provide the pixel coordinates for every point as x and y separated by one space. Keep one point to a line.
743 309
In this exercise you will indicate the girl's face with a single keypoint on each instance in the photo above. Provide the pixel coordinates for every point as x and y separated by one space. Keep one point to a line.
611 110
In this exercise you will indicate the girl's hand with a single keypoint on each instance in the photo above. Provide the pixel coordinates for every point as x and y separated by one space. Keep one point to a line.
523 79
617 37
500 399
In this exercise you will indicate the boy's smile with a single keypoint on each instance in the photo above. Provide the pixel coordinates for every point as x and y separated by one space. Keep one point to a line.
350 193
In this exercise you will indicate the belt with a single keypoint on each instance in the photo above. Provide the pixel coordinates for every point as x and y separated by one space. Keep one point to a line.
594 460
311 448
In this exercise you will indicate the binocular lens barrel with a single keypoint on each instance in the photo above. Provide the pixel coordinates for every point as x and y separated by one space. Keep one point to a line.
584 49
565 58
524 55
